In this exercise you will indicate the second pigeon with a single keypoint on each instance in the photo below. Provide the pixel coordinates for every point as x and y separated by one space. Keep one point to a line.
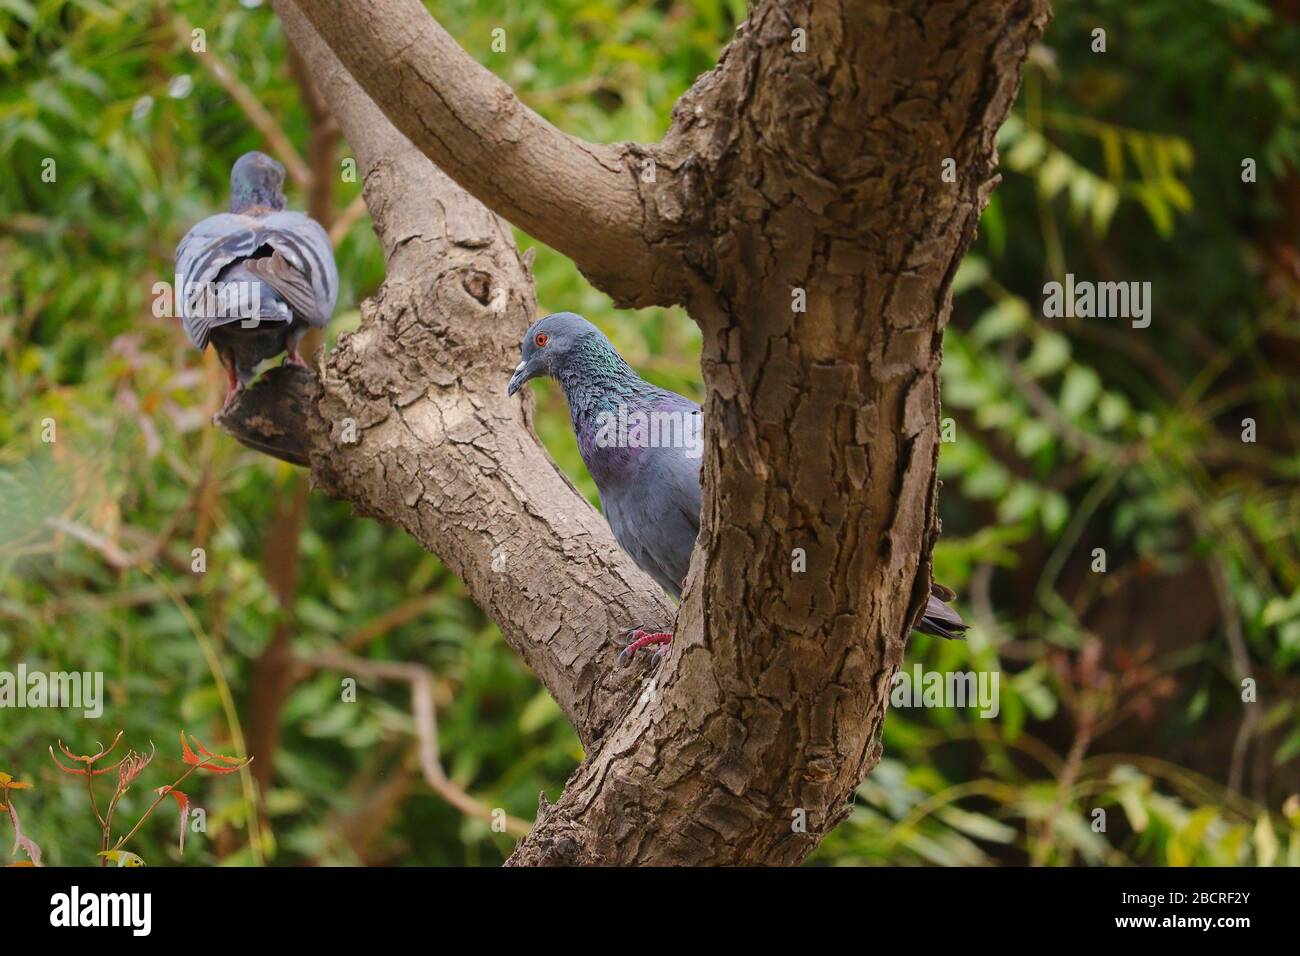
252 281
650 495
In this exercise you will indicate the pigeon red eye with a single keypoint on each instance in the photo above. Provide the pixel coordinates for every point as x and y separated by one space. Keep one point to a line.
541 339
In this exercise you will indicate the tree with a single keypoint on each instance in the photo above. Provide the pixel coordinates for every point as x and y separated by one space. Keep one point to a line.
799 208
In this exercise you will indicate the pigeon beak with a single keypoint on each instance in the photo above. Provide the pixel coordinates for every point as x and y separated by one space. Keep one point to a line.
522 374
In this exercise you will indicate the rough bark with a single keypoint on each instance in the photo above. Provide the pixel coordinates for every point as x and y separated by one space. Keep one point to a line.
789 173
822 174
552 185
413 426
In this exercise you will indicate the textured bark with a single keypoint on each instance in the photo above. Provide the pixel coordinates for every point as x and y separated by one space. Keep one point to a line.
437 447
822 174
471 125
813 173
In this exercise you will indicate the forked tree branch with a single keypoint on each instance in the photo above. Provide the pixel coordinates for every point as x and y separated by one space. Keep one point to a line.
410 420
581 198
425 718
807 167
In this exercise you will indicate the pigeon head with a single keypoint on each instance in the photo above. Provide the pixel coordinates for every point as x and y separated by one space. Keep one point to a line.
256 181
561 343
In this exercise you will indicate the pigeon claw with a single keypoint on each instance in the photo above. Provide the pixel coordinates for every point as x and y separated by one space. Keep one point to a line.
232 387
635 638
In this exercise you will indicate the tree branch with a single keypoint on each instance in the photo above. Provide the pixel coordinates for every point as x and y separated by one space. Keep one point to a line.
581 198
409 419
425 718
806 168
819 144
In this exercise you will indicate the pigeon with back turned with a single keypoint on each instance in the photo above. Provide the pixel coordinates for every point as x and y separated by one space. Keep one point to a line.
642 445
253 281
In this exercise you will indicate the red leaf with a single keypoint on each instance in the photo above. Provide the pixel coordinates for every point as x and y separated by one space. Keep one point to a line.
21 840
213 768
88 759
188 755
182 802
79 773
207 753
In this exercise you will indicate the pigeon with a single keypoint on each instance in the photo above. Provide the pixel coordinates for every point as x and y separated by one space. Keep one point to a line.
642 445
253 281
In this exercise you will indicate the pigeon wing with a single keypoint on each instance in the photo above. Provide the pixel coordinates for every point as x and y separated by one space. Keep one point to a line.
645 525
301 266
205 252
681 526
655 515
938 618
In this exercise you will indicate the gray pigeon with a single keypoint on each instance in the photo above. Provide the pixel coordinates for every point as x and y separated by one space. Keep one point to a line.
642 445
253 280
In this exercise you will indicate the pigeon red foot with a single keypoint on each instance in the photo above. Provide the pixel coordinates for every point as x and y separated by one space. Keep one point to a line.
232 385
636 638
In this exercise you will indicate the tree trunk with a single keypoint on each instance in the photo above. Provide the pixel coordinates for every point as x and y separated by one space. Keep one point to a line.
798 207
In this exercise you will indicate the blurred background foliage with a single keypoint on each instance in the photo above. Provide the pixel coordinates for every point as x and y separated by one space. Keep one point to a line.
1121 690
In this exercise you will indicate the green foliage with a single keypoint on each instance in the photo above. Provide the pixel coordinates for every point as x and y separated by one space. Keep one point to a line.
1071 434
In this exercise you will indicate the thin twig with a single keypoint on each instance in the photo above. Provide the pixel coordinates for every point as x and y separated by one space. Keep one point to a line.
1241 667
247 101
166 791
1076 438
1083 736
113 555
394 617
228 708
51 610
426 728
347 219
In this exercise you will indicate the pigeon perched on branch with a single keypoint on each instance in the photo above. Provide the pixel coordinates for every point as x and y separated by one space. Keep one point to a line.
642 445
253 281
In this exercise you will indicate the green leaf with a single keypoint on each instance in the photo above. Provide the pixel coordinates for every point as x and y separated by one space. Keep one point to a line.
1112 411
1006 317
1049 355
972 272
1081 386
1034 435
1265 840
1055 174
1055 512
539 712
977 825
